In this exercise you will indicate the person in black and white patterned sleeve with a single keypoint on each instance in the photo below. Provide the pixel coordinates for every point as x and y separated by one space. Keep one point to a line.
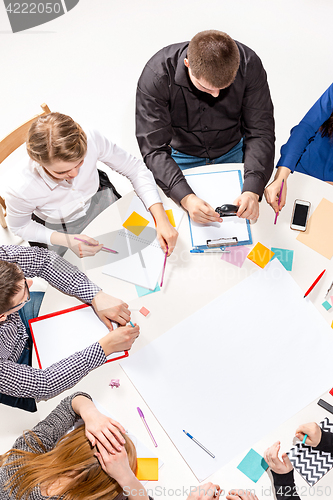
283 471
20 384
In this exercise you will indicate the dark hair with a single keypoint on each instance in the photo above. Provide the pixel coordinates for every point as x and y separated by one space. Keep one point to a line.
213 56
56 137
10 276
327 128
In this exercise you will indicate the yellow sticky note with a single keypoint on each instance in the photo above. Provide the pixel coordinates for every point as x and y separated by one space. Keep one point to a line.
147 469
171 217
332 325
136 223
260 255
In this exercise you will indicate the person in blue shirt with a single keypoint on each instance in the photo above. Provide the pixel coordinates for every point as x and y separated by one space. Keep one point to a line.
309 149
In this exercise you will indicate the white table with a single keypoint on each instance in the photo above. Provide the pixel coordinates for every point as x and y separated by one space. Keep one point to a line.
190 282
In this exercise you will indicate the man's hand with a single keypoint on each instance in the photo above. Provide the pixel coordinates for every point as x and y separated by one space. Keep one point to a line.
272 459
199 210
313 431
120 339
110 309
248 203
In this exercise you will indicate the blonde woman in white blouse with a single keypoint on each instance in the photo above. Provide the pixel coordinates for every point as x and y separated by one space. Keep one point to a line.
58 189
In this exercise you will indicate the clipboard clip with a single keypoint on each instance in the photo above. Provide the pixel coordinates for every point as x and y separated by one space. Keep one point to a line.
222 242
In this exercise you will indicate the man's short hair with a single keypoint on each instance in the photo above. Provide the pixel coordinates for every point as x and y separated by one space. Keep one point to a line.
11 276
213 56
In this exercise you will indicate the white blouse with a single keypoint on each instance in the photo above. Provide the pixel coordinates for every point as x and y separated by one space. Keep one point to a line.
30 189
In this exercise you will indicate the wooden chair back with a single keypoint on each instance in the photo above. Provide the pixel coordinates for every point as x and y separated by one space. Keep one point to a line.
10 143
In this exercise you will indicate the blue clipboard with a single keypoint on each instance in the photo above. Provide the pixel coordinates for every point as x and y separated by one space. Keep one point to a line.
218 188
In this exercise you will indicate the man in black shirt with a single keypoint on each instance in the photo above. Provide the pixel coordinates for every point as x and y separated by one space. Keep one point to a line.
196 104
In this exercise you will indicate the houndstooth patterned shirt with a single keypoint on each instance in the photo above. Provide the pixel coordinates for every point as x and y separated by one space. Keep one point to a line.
22 380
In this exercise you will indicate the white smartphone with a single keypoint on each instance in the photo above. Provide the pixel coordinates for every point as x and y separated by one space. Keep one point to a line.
300 215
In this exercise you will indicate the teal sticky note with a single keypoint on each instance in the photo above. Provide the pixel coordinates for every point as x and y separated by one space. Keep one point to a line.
141 291
285 257
327 305
253 465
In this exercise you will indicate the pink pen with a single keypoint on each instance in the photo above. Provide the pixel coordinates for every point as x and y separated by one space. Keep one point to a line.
87 243
146 426
277 213
165 258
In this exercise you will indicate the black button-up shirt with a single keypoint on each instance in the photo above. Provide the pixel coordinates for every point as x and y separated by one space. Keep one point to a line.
171 111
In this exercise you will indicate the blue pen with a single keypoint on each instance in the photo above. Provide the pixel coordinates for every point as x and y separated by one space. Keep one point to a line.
199 444
131 324
304 439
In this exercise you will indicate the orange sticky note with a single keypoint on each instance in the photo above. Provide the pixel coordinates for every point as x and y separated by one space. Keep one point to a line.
135 223
171 217
147 469
260 255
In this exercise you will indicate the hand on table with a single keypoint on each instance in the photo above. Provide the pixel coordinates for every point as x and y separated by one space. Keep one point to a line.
243 494
80 248
109 309
272 191
272 459
207 491
199 210
120 339
312 430
248 204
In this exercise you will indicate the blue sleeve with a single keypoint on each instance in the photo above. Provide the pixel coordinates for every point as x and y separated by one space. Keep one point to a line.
306 130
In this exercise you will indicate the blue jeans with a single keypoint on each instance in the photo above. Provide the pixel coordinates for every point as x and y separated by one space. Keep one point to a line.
29 311
184 161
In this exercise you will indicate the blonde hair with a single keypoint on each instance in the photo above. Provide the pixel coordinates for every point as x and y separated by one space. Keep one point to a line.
73 457
56 137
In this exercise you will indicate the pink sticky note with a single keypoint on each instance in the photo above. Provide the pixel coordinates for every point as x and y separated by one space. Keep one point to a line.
144 311
236 256
331 299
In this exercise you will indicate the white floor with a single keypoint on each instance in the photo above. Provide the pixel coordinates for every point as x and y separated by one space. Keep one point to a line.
87 62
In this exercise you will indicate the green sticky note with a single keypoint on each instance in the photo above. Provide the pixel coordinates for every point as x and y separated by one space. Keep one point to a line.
141 291
253 465
285 257
327 305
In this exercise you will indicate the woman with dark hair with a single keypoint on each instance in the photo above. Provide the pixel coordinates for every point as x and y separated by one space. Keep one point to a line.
309 150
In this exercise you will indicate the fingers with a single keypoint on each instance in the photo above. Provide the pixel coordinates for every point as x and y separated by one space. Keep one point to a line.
243 494
204 214
248 206
123 314
313 431
168 239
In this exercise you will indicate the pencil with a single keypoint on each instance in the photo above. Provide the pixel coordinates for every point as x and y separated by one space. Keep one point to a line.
314 283
103 248
277 213
165 258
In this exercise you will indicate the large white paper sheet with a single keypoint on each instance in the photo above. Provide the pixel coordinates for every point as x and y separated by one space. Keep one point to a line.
140 259
218 188
235 369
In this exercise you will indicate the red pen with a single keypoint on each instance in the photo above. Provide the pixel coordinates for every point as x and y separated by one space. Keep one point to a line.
314 283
